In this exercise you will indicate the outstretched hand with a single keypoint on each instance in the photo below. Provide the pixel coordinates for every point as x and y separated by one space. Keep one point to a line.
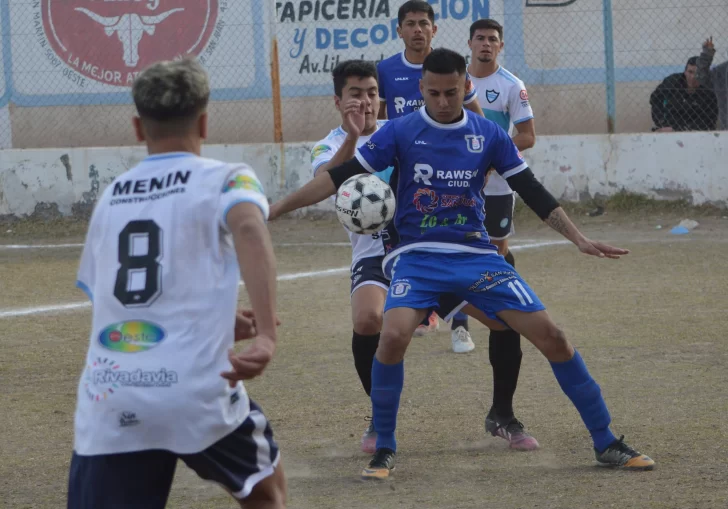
601 250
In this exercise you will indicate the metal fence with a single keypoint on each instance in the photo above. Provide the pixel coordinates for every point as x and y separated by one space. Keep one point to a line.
590 66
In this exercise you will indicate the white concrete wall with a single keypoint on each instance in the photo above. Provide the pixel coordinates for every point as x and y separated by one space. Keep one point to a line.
693 166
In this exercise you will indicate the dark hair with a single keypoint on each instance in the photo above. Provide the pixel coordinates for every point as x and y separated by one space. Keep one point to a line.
691 61
415 6
486 24
348 68
444 61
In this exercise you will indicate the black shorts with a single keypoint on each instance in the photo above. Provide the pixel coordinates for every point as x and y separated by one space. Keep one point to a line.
499 215
368 271
143 479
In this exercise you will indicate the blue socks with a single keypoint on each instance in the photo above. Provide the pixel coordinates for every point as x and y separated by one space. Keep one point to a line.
584 393
387 383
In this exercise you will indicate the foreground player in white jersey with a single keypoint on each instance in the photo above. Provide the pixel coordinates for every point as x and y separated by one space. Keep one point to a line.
166 245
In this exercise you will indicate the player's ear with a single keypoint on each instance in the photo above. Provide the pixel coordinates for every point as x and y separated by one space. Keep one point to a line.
434 30
399 31
337 102
202 125
138 128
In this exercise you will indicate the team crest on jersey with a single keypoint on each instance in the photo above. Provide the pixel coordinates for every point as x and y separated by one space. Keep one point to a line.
491 95
474 142
243 182
425 201
318 150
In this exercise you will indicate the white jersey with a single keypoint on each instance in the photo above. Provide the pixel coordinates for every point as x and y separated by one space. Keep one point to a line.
362 246
504 100
161 271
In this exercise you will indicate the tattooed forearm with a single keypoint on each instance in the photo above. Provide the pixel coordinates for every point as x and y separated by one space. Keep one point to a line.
560 222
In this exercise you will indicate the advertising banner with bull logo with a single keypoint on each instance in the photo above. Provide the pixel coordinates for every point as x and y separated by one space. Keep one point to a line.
98 46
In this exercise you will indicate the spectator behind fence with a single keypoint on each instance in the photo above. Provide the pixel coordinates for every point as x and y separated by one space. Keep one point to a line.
680 103
715 79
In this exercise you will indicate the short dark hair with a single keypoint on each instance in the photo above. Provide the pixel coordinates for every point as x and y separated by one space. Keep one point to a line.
348 68
444 61
486 24
415 6
170 95
691 61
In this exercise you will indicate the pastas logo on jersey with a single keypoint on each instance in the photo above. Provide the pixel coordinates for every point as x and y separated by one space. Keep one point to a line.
131 336
318 150
524 95
112 41
244 182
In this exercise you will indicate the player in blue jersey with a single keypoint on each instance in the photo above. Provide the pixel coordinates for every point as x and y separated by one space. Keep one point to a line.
355 83
399 92
442 154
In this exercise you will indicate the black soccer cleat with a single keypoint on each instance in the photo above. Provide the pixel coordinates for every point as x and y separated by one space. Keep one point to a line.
622 456
380 466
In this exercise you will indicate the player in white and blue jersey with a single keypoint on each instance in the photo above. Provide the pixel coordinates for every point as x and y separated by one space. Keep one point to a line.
355 86
165 249
442 154
504 101
399 91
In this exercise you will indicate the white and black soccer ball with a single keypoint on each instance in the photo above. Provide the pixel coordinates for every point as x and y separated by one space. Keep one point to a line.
365 204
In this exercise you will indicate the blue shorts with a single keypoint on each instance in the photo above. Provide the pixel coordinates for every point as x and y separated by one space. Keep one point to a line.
486 281
143 479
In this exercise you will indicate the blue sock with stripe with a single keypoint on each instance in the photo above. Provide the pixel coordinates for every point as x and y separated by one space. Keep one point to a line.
585 394
387 383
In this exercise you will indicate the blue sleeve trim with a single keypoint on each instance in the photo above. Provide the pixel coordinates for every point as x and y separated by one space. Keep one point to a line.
86 290
243 200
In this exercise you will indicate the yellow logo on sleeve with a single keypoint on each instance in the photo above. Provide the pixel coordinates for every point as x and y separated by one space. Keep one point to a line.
244 182
318 150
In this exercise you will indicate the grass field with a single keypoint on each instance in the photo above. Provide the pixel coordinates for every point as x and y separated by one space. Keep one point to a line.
651 328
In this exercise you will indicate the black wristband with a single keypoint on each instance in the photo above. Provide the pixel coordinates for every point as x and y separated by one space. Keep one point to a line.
345 171
533 193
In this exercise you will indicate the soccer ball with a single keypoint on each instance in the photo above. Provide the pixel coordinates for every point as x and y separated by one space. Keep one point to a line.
365 204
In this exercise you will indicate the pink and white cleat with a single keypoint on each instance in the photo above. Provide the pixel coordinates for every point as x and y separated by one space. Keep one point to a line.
369 439
513 431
